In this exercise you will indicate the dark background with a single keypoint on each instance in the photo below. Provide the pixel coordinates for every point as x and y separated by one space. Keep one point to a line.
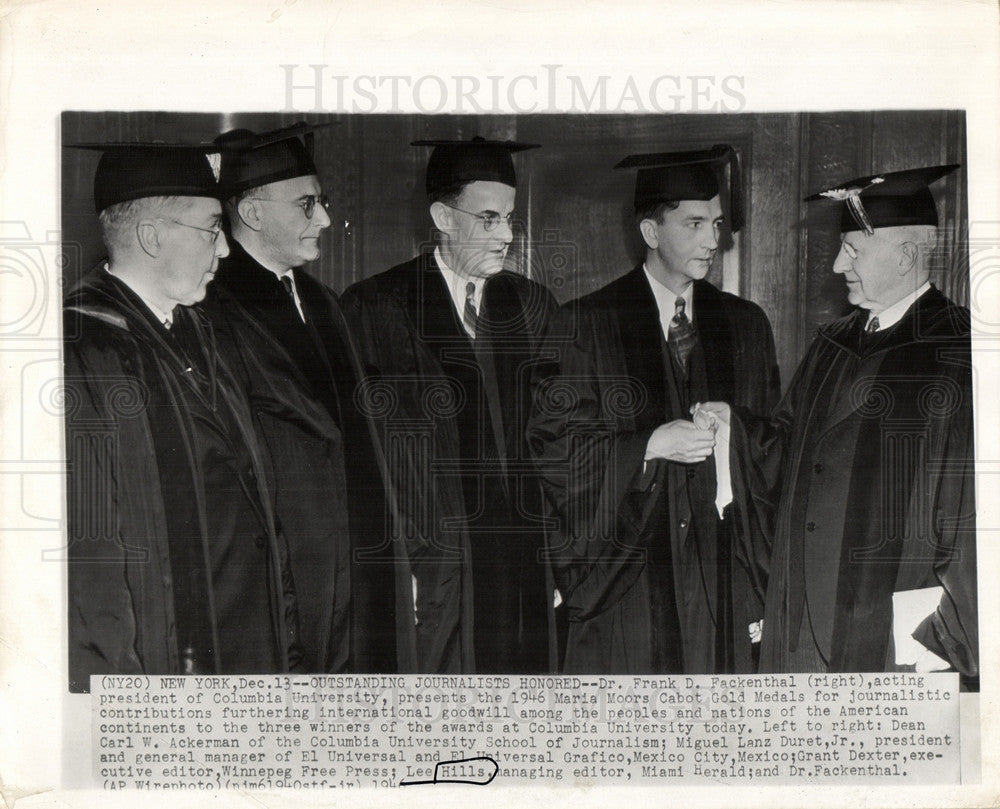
575 232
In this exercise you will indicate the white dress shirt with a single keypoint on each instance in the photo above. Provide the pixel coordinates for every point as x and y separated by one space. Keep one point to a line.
457 289
665 300
891 315
295 291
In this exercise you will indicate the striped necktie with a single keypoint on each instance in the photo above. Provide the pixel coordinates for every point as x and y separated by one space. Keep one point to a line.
873 325
470 317
681 334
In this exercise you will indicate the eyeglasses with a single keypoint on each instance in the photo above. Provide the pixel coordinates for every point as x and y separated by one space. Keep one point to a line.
490 220
214 231
307 204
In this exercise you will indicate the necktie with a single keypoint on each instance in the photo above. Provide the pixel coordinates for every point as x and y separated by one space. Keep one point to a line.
872 326
681 334
469 315
286 282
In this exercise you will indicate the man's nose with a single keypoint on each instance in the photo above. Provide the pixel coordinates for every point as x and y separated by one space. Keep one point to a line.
710 238
504 232
842 263
320 217
221 245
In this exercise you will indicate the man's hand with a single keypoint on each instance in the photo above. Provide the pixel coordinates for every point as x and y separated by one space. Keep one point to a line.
719 409
681 442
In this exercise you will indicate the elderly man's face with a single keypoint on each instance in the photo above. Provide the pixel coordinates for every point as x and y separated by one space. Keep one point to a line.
192 244
874 268
292 237
478 252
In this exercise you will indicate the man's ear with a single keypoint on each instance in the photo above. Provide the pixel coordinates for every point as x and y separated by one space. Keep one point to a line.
148 236
647 227
249 212
443 216
908 253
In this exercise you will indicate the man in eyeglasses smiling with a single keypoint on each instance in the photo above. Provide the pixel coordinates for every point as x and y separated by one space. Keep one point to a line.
283 331
453 336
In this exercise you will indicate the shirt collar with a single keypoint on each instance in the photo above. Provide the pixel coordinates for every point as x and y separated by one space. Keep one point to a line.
665 299
891 315
166 318
457 284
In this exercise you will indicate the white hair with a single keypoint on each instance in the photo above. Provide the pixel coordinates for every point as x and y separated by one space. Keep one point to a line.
118 221
923 237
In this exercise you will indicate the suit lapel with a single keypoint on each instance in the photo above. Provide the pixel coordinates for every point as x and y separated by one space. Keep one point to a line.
715 335
642 338
867 355
439 326
430 300
259 291
502 349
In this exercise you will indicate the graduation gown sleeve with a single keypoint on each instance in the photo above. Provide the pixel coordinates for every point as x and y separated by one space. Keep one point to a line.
106 635
399 393
590 452
869 452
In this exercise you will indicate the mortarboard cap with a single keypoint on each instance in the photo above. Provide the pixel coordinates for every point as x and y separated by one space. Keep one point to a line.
692 175
892 199
129 171
250 159
454 162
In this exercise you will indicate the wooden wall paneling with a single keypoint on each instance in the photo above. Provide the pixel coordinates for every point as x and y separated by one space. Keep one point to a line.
578 215
907 139
772 235
911 139
338 163
839 146
390 222
578 211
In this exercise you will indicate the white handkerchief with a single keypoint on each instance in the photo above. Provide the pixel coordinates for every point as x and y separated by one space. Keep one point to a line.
706 420
723 480
909 608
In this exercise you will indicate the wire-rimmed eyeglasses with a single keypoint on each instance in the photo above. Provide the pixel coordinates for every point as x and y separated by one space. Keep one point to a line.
213 231
490 220
307 204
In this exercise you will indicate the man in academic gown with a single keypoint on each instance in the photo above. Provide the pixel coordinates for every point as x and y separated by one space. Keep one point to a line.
868 460
175 565
641 557
450 338
284 334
